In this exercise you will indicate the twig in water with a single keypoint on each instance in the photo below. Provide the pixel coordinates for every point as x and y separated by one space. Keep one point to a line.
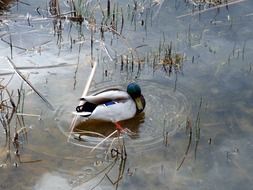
243 50
188 126
105 139
122 22
109 168
197 130
29 84
27 114
108 8
119 154
11 47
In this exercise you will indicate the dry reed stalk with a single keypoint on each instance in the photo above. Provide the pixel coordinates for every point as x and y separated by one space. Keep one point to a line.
212 8
29 84
105 139
119 154
197 130
188 126
85 91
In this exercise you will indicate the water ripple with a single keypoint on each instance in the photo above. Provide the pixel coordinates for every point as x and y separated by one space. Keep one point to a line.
166 112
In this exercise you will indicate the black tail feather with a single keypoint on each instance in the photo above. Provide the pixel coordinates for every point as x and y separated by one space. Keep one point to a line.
86 107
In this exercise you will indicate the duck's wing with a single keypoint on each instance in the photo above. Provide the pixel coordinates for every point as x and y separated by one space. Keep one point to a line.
115 112
101 98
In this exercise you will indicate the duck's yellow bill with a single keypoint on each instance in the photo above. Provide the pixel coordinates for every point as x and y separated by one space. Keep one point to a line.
139 104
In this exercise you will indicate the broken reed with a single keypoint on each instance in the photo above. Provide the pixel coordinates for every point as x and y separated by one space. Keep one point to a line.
210 3
188 128
112 21
109 23
11 124
165 58
74 15
197 129
201 6
118 155
128 63
190 132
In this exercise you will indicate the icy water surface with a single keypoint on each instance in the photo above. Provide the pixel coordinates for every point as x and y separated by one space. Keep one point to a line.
193 62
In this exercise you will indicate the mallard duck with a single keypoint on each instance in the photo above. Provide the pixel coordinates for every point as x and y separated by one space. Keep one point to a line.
113 105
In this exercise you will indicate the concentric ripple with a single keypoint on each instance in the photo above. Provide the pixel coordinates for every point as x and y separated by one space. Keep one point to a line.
166 111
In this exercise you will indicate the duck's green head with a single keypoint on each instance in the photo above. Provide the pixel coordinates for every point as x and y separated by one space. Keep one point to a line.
134 91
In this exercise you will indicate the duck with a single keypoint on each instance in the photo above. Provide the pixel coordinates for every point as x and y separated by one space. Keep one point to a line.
113 105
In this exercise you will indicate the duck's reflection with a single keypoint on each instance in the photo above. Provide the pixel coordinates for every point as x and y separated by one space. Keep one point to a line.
94 127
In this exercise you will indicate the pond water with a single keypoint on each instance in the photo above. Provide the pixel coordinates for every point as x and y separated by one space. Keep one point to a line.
193 62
